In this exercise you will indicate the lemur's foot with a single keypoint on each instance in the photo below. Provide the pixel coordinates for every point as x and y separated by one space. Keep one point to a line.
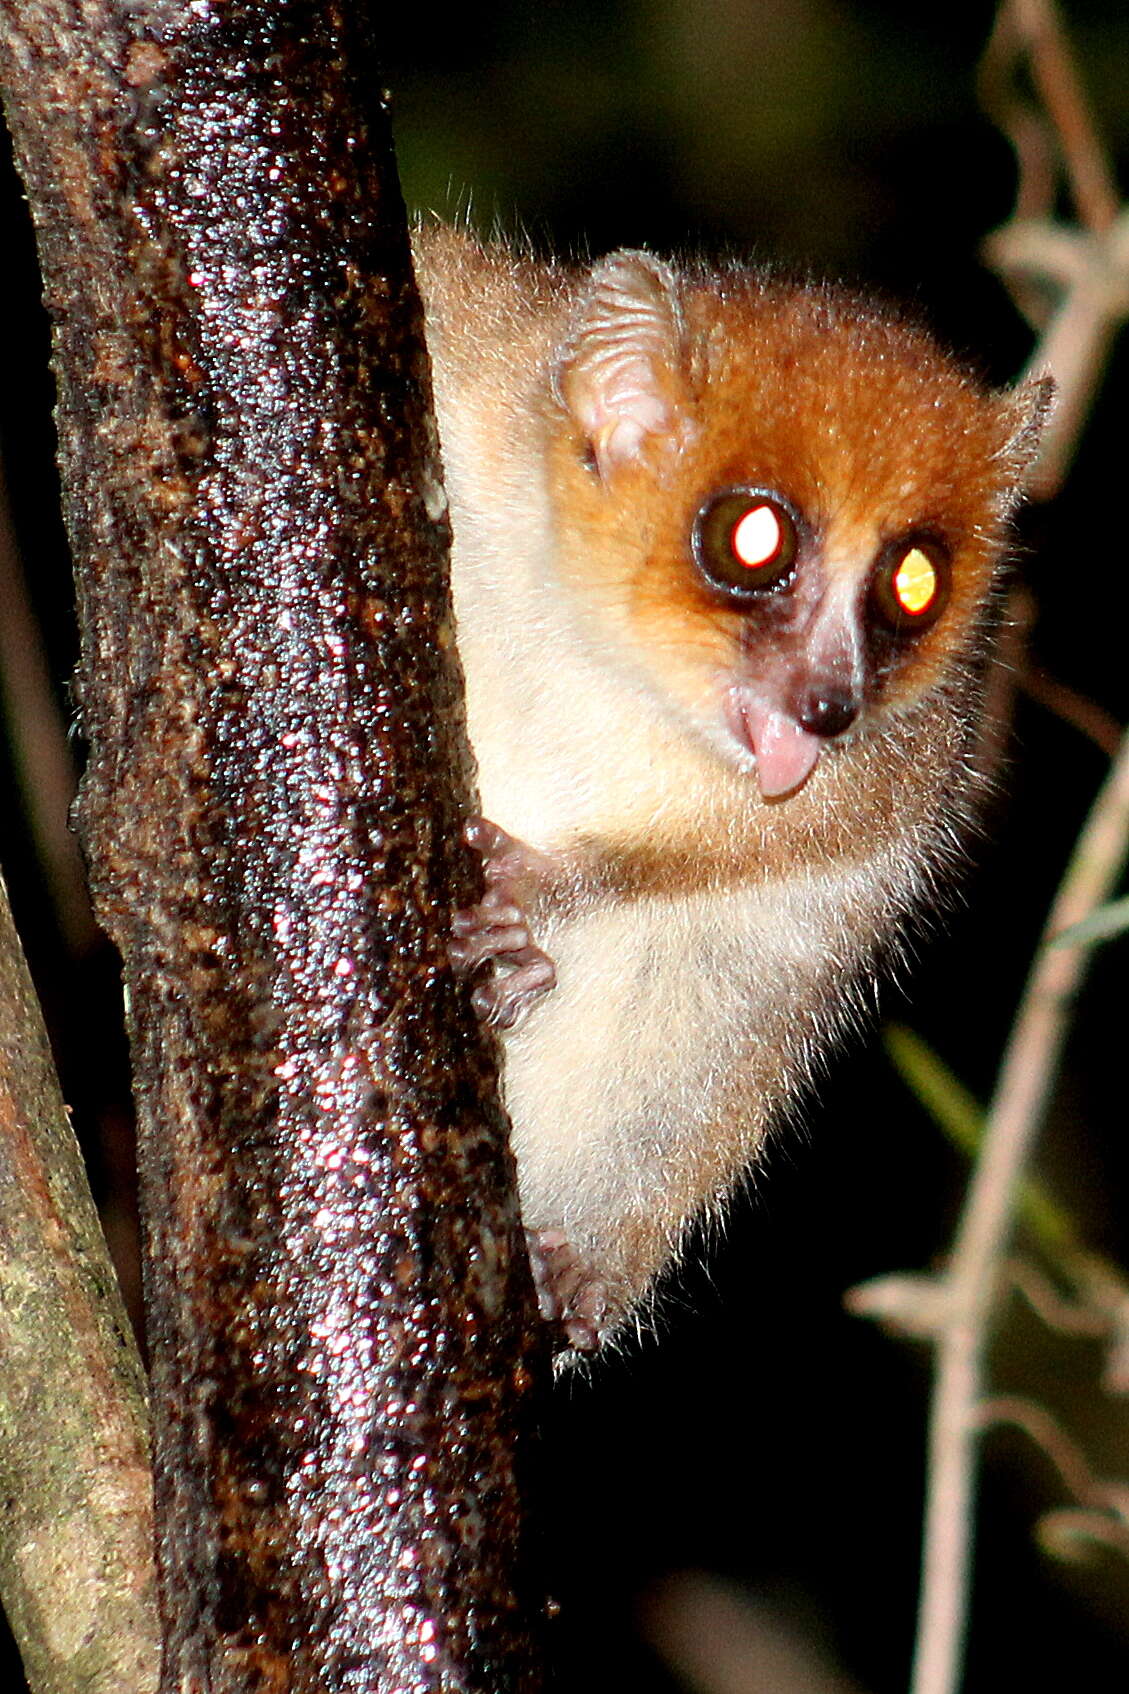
496 931
570 1293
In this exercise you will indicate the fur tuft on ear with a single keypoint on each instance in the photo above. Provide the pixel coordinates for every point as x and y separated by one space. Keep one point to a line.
1029 406
619 372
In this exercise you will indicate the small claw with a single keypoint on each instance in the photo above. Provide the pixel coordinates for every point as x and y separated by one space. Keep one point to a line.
502 1000
474 947
503 856
569 1292
497 912
479 832
581 1335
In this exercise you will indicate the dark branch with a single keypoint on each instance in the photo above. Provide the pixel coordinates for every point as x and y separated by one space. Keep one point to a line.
341 1325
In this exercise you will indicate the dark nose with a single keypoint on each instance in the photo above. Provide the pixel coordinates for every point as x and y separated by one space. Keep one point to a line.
827 711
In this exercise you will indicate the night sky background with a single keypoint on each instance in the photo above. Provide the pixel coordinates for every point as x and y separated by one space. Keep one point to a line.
765 1439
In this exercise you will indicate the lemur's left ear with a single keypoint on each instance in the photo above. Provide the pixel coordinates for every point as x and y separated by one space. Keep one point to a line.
1029 406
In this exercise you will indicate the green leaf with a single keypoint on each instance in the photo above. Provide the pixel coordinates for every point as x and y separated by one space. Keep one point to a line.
1109 920
961 1117
954 1107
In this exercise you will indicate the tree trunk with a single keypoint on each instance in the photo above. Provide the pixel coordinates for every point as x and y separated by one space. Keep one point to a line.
76 1563
342 1333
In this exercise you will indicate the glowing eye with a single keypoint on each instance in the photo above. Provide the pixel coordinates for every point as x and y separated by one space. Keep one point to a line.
912 583
757 537
745 541
915 583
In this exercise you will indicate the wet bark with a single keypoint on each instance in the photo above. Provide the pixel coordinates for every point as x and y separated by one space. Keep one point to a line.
340 1320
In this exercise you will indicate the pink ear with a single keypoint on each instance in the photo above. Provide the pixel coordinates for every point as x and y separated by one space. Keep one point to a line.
620 371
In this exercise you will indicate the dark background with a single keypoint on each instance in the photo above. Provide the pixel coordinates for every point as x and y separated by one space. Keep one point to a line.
766 1437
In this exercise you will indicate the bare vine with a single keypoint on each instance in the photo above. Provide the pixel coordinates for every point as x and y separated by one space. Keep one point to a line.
1072 282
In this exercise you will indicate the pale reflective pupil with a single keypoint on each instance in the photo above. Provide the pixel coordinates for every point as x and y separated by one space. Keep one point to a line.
757 537
915 582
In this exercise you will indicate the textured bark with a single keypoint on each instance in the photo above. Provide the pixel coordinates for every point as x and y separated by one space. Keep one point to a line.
76 1564
341 1325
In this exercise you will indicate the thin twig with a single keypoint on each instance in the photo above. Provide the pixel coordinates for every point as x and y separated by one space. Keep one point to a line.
1071 282
1068 1458
1075 709
1062 1532
1024 124
1078 1317
1077 342
1102 1512
1028 1070
1092 186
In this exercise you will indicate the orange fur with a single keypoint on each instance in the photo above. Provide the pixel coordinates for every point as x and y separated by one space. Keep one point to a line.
709 921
